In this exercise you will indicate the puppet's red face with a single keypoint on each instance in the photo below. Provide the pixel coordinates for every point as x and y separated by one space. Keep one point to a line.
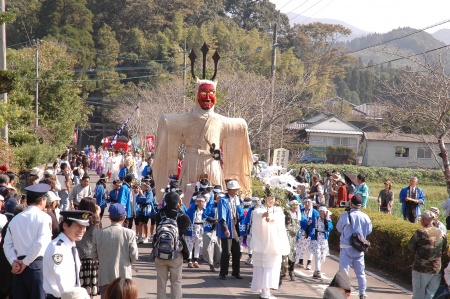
206 96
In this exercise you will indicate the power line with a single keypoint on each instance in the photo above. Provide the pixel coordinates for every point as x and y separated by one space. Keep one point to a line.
400 37
18 44
316 12
297 7
115 57
406 57
305 10
96 80
286 4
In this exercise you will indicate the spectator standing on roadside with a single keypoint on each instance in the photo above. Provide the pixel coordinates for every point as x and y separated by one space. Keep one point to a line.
80 191
85 246
116 263
386 198
64 180
349 256
362 190
411 198
428 244
436 221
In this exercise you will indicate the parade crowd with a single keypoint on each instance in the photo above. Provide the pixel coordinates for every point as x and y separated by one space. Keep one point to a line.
53 244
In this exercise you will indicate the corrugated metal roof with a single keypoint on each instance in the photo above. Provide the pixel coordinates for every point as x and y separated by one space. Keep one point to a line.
400 137
334 132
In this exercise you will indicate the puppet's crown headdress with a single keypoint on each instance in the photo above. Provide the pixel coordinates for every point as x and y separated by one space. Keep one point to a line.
205 50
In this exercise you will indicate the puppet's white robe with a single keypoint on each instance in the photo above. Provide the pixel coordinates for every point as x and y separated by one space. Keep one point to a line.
191 129
269 243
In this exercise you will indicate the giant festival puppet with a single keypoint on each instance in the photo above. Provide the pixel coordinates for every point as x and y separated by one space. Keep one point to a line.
215 145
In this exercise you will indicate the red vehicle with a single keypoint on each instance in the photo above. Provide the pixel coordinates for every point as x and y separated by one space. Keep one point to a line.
122 143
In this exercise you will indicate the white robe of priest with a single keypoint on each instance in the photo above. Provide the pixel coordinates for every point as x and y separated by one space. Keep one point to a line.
269 243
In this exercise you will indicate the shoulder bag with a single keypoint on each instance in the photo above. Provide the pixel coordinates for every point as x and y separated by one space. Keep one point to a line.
357 241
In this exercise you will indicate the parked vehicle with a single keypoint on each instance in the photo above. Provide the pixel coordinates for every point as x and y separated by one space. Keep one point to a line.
308 158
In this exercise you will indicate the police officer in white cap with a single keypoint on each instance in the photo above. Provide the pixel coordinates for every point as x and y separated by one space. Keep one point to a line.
61 260
27 237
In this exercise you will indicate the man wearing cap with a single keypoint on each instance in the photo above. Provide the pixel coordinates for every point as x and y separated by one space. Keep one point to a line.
436 221
126 198
411 197
115 248
428 244
26 239
362 225
229 215
61 260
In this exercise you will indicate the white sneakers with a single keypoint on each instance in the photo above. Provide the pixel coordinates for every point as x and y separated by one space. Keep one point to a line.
249 261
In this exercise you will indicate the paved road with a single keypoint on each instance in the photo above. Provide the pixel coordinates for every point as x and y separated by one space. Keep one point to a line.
201 283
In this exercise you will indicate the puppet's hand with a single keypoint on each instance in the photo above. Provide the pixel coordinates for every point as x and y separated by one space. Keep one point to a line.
217 154
212 148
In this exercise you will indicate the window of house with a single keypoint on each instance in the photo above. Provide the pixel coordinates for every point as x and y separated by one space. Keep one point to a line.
401 151
423 153
344 141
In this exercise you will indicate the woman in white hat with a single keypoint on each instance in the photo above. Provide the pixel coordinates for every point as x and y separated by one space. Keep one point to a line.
269 243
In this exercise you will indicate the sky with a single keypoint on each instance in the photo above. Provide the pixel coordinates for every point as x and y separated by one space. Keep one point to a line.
373 15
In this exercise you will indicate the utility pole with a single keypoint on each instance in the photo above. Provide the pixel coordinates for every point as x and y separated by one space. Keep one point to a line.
272 74
4 96
37 85
184 77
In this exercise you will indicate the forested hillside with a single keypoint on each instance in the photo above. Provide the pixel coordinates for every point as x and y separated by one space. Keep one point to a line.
107 57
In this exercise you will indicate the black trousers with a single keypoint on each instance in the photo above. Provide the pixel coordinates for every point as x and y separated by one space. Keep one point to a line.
230 246
29 283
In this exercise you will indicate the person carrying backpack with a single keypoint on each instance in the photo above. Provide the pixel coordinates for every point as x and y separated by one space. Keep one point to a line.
171 226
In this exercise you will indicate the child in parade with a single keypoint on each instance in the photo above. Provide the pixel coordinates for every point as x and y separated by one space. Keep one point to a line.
211 244
320 230
144 208
303 243
194 238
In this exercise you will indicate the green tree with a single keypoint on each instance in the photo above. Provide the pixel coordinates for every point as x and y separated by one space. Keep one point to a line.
71 22
108 50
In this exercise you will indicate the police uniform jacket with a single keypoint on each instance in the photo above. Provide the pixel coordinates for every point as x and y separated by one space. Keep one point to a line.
28 235
59 266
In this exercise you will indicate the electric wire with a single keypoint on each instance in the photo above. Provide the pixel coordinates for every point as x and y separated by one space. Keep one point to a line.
406 57
305 10
286 4
400 37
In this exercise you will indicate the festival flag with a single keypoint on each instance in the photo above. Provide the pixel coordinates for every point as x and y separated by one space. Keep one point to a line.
150 141
123 127
136 143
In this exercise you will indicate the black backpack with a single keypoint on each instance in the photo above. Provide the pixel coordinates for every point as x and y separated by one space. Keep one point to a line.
166 243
